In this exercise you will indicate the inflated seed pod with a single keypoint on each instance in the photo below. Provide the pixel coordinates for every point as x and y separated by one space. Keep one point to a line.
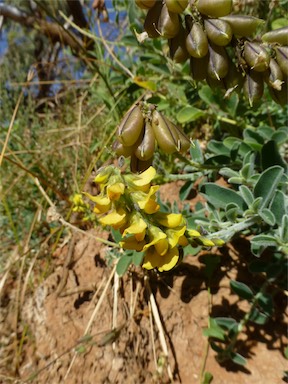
145 4
151 20
137 165
274 76
121 150
183 141
218 64
256 56
243 26
178 51
279 36
165 133
280 97
196 40
214 83
198 68
131 126
282 59
234 79
218 31
176 6
146 148
168 23
253 87
214 8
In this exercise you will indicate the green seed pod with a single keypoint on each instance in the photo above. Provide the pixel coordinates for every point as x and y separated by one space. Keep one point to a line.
151 20
137 165
176 6
196 40
214 8
282 59
198 68
168 23
218 31
256 56
243 26
274 76
146 148
279 36
253 87
145 4
218 64
121 150
165 133
178 51
131 126
280 97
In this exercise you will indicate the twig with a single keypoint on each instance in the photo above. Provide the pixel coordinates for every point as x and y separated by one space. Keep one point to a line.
65 271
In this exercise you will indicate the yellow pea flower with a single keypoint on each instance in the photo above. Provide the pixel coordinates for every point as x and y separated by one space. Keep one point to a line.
137 227
142 181
169 220
152 259
116 218
102 203
132 243
155 236
147 202
114 191
174 235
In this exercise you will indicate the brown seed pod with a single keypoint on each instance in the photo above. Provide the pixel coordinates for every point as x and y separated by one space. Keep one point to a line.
121 150
256 56
168 23
151 20
218 64
214 83
184 143
218 31
198 68
131 126
196 40
176 6
145 4
178 51
243 26
253 87
214 8
282 59
280 97
165 133
274 76
146 148
137 165
279 36
234 79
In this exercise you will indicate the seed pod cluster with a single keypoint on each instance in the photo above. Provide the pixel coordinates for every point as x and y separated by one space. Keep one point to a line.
141 129
221 46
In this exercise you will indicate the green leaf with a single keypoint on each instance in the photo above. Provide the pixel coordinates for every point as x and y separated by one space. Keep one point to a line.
196 152
123 264
270 155
214 330
278 206
279 23
116 235
241 289
220 196
218 160
238 359
264 241
267 216
246 194
225 322
231 212
284 229
267 184
265 302
206 95
185 190
187 114
218 148
228 172
150 85
137 258
258 317
207 379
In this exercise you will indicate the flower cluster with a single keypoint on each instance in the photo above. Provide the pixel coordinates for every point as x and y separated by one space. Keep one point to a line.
128 203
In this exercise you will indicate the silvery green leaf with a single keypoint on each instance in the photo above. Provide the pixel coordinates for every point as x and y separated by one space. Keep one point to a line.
267 216
267 184
246 194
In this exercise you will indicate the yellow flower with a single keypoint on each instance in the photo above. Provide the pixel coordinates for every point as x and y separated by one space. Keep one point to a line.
104 174
132 243
137 227
156 236
102 203
193 233
79 205
114 191
174 235
152 259
169 220
116 218
142 181
147 202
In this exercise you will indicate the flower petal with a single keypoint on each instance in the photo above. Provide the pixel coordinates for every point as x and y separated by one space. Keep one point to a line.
169 220
155 236
174 235
132 243
164 263
116 218
137 227
114 191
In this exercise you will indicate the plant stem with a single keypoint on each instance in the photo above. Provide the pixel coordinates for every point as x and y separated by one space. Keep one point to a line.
227 233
